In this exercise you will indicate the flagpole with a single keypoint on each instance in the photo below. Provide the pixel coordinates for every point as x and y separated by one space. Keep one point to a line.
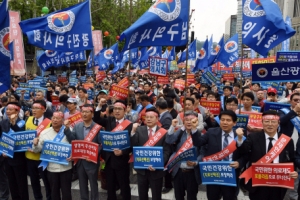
241 74
187 56
129 61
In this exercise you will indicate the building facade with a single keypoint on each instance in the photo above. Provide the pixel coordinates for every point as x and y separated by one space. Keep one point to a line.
230 27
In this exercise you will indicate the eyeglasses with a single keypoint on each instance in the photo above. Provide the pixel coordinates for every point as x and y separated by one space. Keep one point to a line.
296 100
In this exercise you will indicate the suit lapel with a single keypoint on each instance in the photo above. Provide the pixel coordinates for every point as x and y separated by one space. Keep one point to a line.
81 130
262 143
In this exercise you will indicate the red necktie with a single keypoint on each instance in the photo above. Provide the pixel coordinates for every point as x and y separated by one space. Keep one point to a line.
117 123
150 132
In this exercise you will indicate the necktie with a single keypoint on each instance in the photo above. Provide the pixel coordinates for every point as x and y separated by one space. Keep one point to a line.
117 123
225 144
270 144
36 122
150 132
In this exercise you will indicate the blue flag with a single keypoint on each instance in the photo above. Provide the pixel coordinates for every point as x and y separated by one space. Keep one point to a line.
214 53
135 56
285 45
155 51
144 58
202 61
66 30
56 59
165 54
230 52
164 24
172 55
253 54
4 48
210 46
108 57
192 50
263 25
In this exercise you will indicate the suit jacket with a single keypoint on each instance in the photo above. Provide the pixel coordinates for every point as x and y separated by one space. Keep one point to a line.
19 157
116 162
140 138
254 148
286 126
166 120
78 134
172 139
174 113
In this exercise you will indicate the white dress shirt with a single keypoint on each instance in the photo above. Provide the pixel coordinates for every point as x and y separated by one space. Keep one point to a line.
39 119
230 138
120 121
276 160
153 130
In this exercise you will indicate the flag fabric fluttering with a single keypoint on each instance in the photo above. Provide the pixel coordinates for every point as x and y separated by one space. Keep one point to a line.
4 48
214 53
192 51
144 58
11 49
56 59
155 51
202 61
172 55
107 57
65 30
210 46
263 25
230 52
164 24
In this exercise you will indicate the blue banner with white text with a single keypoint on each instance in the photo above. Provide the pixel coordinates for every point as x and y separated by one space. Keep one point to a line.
7 145
56 152
115 140
144 157
24 140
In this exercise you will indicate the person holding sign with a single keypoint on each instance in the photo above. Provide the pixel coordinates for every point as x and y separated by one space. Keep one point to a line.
15 168
59 176
186 174
221 146
37 122
87 171
150 135
116 161
267 146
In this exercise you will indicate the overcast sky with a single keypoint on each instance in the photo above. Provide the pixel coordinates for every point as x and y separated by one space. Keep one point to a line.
210 17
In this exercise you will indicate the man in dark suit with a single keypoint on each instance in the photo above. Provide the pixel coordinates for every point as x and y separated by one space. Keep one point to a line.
152 177
165 119
257 145
87 170
216 140
116 163
186 174
171 109
15 167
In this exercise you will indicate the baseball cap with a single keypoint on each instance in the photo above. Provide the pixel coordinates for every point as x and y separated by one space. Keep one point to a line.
72 100
272 90
103 91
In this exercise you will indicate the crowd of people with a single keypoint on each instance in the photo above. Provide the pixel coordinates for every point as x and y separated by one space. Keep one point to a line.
149 108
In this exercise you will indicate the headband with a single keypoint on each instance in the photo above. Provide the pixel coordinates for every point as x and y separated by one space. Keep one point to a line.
87 109
119 104
152 113
12 106
38 105
270 117
190 117
58 114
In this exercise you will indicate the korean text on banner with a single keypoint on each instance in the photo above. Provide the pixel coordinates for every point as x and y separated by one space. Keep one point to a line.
115 140
56 152
158 66
24 140
7 145
85 150
119 92
179 84
148 156
214 107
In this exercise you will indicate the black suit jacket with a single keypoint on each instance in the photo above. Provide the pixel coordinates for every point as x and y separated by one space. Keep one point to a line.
286 126
254 148
213 139
19 157
140 138
116 162
174 113
166 120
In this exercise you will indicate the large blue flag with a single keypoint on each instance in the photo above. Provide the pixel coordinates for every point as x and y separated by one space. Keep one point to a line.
214 53
56 59
230 52
4 48
107 57
164 24
263 25
285 46
202 61
65 30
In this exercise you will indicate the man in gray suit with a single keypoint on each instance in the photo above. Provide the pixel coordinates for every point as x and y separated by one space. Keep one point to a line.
87 170
186 174
152 177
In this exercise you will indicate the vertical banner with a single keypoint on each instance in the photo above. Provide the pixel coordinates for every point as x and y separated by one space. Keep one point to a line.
18 65
97 41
